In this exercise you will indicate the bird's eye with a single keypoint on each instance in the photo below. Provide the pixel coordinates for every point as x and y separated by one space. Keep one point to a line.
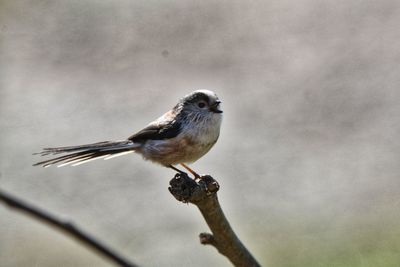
201 104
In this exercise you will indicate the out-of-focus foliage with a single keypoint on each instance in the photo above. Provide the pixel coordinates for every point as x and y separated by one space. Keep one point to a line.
308 158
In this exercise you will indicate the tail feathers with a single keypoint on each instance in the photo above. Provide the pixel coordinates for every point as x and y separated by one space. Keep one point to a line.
99 145
81 154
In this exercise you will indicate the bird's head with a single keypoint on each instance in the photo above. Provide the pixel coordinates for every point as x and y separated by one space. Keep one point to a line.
204 102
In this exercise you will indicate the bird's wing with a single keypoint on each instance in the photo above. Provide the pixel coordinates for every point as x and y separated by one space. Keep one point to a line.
165 127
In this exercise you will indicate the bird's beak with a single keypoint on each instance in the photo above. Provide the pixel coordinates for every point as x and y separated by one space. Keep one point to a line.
215 107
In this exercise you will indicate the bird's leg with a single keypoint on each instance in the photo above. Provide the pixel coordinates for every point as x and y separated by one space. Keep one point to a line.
195 174
176 169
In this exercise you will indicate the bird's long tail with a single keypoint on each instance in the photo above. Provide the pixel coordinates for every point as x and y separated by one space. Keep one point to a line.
76 155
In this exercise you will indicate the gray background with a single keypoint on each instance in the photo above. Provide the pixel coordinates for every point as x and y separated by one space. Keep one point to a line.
308 157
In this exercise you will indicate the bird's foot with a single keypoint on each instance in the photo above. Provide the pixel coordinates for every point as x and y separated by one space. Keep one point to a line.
195 174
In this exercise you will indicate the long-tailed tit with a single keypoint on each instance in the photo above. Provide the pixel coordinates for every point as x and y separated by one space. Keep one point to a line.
182 135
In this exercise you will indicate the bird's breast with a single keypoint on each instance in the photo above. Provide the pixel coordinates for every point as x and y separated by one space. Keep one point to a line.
193 142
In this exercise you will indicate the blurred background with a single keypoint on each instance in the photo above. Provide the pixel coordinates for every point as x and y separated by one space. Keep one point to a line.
308 157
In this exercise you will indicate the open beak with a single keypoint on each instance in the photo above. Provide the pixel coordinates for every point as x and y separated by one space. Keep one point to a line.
215 107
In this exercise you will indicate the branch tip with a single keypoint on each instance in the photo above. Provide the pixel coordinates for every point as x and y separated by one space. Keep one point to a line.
210 185
182 187
207 239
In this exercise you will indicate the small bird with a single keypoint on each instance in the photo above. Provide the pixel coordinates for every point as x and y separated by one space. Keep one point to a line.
182 135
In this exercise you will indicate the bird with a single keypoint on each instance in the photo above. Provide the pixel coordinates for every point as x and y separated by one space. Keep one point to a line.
179 137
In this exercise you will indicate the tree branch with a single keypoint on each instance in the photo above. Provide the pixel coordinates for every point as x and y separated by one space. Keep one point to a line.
204 195
65 227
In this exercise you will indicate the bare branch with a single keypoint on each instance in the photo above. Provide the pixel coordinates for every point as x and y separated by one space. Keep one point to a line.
65 227
204 195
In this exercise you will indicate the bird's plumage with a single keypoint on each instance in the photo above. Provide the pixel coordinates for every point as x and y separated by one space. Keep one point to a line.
182 135
163 128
